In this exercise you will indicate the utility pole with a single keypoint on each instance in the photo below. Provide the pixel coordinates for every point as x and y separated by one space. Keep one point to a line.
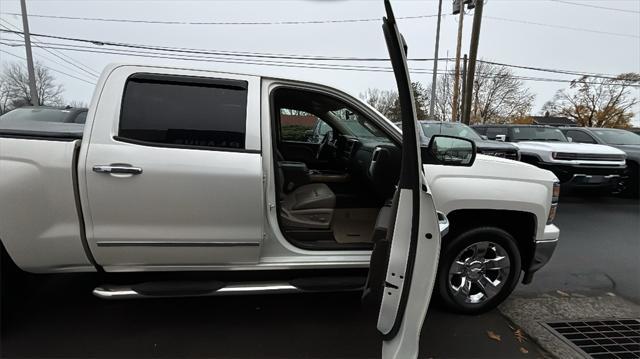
456 81
434 81
464 76
473 55
33 91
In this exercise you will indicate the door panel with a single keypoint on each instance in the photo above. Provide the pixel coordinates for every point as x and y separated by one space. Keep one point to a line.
414 235
188 191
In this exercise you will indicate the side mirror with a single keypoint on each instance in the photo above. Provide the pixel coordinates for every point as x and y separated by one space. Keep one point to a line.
484 137
570 139
501 138
451 151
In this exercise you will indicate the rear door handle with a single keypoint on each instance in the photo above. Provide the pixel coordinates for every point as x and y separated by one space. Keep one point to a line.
117 169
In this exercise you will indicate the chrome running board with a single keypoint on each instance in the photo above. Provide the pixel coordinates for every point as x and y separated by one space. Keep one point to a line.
214 288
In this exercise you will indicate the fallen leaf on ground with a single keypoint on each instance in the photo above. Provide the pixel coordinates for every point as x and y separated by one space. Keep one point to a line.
494 336
519 334
564 294
523 350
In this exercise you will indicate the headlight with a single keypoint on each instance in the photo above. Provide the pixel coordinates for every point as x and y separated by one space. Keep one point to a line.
556 192
554 202
552 213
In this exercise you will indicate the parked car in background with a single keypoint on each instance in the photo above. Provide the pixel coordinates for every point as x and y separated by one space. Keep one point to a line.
635 130
43 120
483 145
575 164
621 139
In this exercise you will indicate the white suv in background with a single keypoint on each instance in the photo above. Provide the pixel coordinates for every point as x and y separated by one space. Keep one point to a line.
575 164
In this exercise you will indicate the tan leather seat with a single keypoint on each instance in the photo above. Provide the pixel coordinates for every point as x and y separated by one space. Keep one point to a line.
308 206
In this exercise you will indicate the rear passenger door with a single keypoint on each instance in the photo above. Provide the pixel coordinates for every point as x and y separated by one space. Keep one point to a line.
173 171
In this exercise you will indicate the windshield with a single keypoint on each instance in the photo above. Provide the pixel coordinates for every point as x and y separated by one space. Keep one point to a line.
36 114
449 129
617 137
357 125
538 134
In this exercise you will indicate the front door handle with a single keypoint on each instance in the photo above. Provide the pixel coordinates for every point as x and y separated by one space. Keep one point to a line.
117 169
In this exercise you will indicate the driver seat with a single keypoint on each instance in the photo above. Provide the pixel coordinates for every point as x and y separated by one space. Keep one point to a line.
308 206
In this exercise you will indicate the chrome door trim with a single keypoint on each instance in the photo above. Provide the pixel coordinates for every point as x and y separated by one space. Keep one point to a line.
175 244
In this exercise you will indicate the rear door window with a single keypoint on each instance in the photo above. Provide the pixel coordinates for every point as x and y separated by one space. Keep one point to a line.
179 111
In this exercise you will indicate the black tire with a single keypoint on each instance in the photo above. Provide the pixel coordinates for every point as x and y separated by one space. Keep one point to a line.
454 249
632 181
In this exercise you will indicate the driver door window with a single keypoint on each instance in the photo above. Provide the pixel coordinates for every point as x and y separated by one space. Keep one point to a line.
300 126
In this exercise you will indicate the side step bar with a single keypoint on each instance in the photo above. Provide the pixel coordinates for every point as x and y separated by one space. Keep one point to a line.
169 289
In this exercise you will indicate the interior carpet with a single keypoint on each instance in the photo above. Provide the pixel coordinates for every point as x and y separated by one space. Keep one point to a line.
354 225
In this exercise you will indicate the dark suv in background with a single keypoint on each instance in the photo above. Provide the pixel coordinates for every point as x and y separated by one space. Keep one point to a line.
622 139
484 146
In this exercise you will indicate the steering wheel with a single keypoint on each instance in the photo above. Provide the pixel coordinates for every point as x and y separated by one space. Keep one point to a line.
324 149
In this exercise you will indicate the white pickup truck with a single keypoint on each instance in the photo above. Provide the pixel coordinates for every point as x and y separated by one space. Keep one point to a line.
194 173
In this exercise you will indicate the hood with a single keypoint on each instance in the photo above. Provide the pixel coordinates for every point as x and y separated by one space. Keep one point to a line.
493 167
494 145
569 147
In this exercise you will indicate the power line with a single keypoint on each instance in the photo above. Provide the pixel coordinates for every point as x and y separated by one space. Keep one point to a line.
168 22
561 27
50 68
269 56
304 22
42 56
597 7
61 56
151 54
564 72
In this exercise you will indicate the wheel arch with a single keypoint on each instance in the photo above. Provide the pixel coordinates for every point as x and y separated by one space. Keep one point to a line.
521 225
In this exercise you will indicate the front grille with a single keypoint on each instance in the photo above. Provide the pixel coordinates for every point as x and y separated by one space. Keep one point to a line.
615 338
587 156
502 154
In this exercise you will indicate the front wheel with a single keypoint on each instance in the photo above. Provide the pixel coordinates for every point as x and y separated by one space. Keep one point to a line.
478 269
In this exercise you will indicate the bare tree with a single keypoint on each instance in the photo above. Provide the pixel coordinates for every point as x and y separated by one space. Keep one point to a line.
388 102
78 104
597 102
4 98
498 96
15 83
382 100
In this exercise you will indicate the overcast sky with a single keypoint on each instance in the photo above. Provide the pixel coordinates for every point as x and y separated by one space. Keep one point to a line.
611 46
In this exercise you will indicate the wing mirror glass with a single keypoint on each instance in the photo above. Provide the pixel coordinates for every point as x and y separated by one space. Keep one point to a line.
451 151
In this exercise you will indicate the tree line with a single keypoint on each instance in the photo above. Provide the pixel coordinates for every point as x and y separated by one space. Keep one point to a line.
14 87
501 97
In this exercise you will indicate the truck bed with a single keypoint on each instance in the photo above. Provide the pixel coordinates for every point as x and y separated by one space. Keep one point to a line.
40 222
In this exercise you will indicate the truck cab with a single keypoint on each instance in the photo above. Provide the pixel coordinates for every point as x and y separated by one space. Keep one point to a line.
182 170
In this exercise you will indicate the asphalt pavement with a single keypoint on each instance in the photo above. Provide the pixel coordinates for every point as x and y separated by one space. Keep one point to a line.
598 251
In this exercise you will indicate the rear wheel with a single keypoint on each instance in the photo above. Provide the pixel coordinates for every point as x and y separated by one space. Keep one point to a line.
478 269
